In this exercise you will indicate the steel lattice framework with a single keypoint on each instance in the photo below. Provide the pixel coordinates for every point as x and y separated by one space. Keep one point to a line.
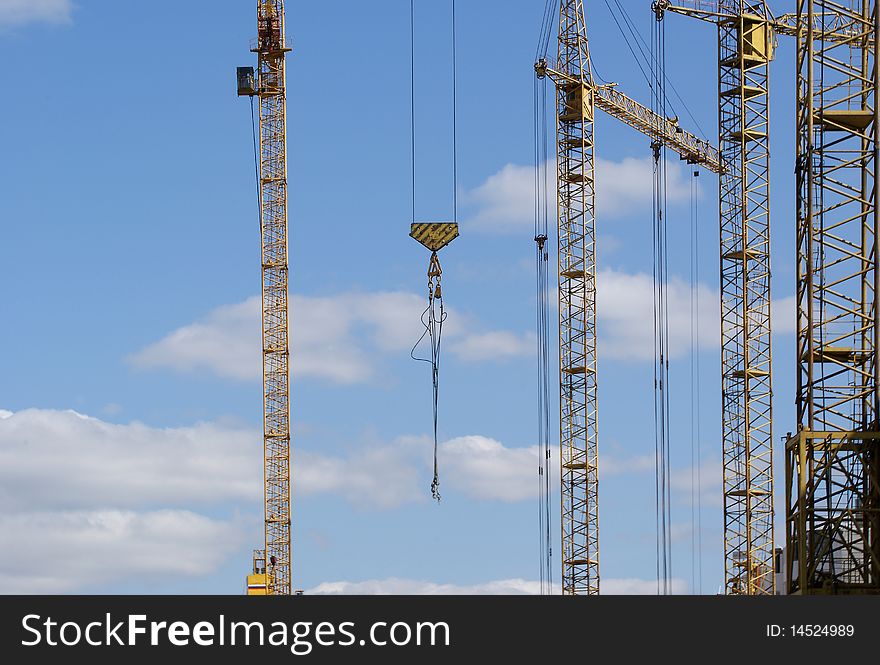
578 97
745 49
833 461
272 89
577 305
745 45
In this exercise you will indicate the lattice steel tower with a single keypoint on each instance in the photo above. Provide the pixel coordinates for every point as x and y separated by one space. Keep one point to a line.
833 461
746 43
270 87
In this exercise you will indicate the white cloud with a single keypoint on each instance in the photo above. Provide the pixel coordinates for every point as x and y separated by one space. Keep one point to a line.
90 464
609 465
60 552
339 338
384 476
626 307
516 586
638 587
53 460
707 478
505 202
403 587
483 468
495 345
91 503
329 337
21 12
784 313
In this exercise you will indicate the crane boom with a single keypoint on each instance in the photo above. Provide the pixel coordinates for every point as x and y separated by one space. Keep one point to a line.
272 93
658 128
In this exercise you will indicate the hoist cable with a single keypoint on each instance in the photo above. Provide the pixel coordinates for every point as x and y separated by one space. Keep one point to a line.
435 314
542 322
642 46
432 319
454 117
412 53
661 329
696 462
546 27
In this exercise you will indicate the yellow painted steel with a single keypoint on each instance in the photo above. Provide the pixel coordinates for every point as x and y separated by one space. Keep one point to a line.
578 97
833 459
746 43
258 581
271 89
434 235
578 406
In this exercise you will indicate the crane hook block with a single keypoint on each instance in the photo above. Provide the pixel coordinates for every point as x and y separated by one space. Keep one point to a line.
434 235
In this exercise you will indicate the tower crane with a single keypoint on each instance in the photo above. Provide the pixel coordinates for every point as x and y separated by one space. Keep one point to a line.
833 459
745 49
832 487
577 98
271 569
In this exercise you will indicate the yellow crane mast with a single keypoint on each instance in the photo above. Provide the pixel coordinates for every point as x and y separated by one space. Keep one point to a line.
578 97
577 304
271 573
833 460
746 44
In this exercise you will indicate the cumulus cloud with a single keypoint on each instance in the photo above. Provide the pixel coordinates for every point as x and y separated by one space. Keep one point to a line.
339 339
610 465
53 460
92 502
494 345
402 587
516 586
60 552
626 306
707 479
784 313
328 337
505 202
639 587
21 12
62 460
483 468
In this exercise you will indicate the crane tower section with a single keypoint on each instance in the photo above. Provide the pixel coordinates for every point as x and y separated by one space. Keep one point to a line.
271 90
833 460
577 304
746 43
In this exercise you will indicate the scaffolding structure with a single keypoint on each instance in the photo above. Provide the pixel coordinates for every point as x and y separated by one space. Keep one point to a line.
833 460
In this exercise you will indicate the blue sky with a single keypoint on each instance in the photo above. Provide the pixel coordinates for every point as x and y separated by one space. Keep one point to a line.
131 404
